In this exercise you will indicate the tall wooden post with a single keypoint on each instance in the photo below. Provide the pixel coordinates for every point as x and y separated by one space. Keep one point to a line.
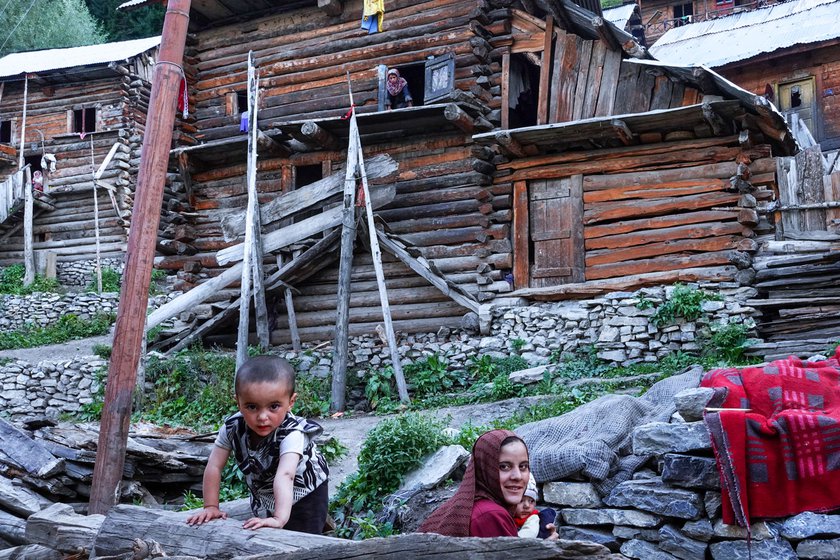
131 315
28 253
345 268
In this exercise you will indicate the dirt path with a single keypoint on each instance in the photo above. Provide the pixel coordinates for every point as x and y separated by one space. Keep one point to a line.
57 352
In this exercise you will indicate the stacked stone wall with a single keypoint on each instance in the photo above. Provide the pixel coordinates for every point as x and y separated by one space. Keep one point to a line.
80 274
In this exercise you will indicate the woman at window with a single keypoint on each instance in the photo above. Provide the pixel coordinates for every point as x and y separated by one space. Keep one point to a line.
398 94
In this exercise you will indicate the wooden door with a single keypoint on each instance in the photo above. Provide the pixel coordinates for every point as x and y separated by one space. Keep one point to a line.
798 97
555 209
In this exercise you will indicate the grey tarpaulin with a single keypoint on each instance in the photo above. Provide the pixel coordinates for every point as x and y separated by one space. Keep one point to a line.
594 439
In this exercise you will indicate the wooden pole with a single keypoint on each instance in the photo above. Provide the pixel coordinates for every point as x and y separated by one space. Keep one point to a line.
348 238
290 310
93 175
252 256
28 254
131 315
376 253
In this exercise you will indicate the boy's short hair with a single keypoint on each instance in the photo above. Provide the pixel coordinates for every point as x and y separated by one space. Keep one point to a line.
265 369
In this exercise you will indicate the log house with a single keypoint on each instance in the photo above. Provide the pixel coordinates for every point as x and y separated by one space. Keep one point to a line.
538 155
81 102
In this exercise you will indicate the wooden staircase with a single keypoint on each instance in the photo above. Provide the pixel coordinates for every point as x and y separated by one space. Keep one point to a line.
12 193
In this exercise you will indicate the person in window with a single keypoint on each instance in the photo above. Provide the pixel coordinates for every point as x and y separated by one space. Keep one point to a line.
398 94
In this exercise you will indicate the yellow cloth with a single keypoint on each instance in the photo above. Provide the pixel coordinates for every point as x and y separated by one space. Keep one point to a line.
374 8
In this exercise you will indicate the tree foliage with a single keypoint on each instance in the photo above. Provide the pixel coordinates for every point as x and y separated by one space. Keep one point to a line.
46 24
123 25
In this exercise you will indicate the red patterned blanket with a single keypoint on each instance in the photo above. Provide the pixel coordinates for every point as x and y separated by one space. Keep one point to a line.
778 445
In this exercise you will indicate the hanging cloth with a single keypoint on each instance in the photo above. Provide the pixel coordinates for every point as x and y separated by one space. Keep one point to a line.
372 15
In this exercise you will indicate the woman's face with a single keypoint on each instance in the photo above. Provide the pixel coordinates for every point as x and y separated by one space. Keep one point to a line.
513 471
392 78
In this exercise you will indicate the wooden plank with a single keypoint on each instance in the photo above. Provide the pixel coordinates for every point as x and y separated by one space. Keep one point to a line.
581 91
505 90
545 73
659 264
656 249
421 267
665 234
622 210
290 311
832 183
565 77
308 227
26 453
809 189
594 79
520 234
554 210
627 88
609 84
28 211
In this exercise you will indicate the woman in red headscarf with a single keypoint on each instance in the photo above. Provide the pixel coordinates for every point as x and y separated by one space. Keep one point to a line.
493 485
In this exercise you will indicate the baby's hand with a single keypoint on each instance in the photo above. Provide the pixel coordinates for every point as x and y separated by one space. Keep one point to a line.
257 522
207 514
552 534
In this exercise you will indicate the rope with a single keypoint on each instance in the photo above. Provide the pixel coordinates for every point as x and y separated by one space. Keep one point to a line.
183 84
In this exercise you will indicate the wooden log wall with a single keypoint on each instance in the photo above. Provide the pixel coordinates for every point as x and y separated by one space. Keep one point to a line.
445 203
121 103
657 207
304 57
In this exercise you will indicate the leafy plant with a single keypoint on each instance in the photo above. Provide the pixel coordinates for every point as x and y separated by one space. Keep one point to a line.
644 303
92 411
232 487
685 302
518 344
728 342
580 364
482 368
391 450
369 527
313 398
332 450
429 376
11 282
379 386
111 280
68 327
102 350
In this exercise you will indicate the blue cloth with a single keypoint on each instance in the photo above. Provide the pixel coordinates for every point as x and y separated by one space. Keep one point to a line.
371 24
243 122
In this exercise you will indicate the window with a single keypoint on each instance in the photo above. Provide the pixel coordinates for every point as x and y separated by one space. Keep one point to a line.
428 81
84 120
683 14
242 101
307 174
5 132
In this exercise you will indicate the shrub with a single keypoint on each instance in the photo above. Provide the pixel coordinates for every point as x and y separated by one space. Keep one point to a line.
11 282
313 398
379 387
685 302
728 342
429 376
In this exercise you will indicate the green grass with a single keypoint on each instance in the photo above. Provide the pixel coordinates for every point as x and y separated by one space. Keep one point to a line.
68 327
11 282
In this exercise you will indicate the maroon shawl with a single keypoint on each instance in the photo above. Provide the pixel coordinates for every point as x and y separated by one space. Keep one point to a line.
481 481
396 87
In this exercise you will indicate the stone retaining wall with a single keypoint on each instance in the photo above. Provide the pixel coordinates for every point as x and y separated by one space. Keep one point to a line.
614 324
73 274
673 509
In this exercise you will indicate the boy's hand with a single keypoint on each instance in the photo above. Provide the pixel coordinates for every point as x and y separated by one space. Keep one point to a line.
257 522
205 515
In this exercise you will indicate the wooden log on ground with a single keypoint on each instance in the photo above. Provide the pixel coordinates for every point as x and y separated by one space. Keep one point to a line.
424 545
26 453
61 528
219 539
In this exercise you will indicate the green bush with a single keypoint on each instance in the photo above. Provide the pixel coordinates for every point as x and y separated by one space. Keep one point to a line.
102 350
313 398
68 327
429 376
111 280
11 282
392 449
380 388
685 302
728 342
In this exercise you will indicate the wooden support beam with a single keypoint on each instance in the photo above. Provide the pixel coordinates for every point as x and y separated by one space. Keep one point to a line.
290 311
330 7
714 120
345 268
623 132
422 267
459 118
271 146
560 13
131 315
28 212
186 176
545 73
317 135
606 34
521 235
506 90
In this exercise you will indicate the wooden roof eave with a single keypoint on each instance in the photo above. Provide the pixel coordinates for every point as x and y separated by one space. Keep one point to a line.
599 131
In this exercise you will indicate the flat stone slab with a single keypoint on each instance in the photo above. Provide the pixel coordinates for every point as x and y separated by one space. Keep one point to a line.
691 403
690 472
17 499
605 538
437 467
700 530
673 541
528 376
609 516
653 496
759 530
643 550
820 549
810 524
571 494
761 550
629 533
659 438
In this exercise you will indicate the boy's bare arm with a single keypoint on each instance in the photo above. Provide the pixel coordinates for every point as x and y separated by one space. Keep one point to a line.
210 488
284 481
